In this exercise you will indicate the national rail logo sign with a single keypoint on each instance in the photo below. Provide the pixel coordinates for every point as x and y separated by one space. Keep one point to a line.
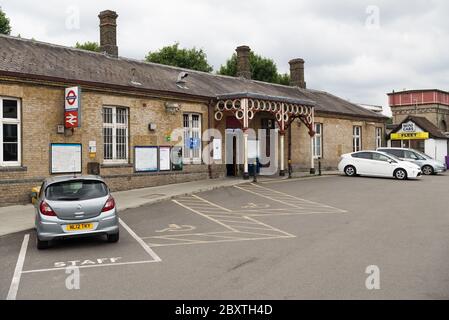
72 107
71 119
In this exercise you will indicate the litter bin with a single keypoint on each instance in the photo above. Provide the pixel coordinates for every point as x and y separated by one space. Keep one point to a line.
34 194
447 162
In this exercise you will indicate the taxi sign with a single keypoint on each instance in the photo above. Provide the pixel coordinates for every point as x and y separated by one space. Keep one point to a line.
410 136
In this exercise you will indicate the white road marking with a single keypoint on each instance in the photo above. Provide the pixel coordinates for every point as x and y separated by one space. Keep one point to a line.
173 236
14 288
219 241
204 215
300 178
140 241
303 202
212 204
91 266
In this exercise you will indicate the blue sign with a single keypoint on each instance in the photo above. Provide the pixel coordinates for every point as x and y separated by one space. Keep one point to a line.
194 143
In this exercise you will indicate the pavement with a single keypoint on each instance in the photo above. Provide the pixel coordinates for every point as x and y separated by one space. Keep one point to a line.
299 238
21 217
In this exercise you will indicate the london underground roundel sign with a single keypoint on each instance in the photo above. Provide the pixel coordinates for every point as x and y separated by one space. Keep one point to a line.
72 98
72 111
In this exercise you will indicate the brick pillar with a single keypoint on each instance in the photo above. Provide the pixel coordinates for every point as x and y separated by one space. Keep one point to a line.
108 32
243 66
297 73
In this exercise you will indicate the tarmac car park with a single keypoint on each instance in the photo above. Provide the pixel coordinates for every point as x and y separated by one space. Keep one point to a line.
308 236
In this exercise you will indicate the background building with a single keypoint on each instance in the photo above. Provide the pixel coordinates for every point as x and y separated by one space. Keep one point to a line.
420 120
432 104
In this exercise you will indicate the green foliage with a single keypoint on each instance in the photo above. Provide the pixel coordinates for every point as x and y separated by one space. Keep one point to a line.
284 79
262 69
5 27
88 45
194 59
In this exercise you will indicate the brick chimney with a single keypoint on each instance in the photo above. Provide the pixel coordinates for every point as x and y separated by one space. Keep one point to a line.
108 32
297 73
243 66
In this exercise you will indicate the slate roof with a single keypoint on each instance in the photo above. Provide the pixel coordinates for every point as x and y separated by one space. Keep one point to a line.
424 124
33 59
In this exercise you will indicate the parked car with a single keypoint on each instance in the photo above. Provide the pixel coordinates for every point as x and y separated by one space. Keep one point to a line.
376 163
428 164
72 206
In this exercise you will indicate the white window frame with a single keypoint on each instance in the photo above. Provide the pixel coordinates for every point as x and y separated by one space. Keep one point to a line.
190 132
318 137
114 125
356 138
378 137
16 121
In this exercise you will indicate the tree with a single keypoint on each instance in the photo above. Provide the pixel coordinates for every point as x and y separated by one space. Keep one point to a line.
284 79
262 69
88 45
5 27
195 59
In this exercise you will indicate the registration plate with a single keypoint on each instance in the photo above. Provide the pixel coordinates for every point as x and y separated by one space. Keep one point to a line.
79 226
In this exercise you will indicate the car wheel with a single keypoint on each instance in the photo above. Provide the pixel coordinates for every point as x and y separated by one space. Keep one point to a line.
400 174
42 244
427 170
113 237
350 171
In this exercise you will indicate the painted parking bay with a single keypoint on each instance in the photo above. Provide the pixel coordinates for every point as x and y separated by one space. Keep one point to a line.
235 210
89 252
257 200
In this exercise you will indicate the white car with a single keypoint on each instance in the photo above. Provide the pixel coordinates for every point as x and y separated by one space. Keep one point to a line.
376 163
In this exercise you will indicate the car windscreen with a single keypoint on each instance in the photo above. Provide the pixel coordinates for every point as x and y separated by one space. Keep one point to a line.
73 190
423 155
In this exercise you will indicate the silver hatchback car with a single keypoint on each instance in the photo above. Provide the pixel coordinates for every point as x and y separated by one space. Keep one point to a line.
73 206
428 164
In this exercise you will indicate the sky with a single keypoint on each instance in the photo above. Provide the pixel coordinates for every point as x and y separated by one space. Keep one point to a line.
356 49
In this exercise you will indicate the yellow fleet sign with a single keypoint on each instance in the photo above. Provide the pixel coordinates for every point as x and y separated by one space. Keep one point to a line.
409 136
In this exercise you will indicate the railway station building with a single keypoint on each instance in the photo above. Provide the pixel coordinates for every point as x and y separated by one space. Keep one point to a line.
70 111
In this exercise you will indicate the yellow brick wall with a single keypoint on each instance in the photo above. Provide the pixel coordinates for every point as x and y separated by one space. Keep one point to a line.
43 109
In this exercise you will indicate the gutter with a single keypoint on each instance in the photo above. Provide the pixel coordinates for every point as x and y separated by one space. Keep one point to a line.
106 87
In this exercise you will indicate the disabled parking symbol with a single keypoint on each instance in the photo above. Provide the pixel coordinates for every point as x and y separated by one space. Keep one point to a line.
176 228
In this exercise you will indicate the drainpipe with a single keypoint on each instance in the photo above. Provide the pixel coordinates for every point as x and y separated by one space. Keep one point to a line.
209 124
290 150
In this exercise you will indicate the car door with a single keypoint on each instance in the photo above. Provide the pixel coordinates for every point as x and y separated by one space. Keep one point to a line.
412 157
383 165
362 161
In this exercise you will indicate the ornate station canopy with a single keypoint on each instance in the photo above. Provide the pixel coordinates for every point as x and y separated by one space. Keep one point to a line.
244 105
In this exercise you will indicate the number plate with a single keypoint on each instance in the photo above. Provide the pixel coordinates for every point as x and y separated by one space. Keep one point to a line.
79 226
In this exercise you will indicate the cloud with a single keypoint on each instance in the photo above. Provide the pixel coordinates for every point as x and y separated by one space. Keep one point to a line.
357 49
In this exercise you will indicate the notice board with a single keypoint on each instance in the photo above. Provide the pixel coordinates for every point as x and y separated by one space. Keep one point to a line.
164 159
65 157
145 158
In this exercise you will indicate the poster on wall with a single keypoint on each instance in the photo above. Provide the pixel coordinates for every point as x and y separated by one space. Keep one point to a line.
253 149
164 158
65 158
145 158
217 148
